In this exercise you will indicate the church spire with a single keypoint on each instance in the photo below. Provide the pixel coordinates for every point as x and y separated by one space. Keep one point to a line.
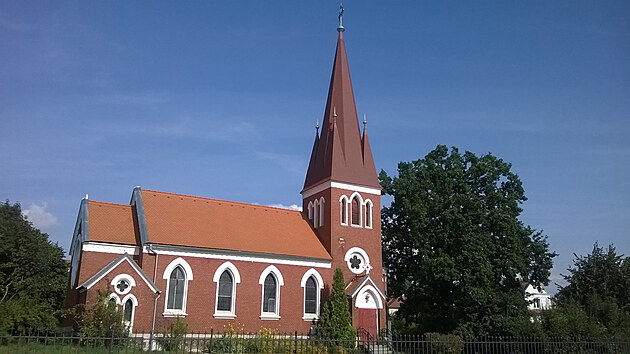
341 154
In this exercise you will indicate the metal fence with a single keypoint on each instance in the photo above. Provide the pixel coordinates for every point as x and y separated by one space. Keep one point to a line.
55 342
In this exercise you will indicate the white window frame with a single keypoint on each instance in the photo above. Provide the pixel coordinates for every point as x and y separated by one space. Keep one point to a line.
356 194
120 277
321 211
188 274
319 282
370 211
279 282
366 260
236 279
344 221
115 297
310 210
315 213
134 301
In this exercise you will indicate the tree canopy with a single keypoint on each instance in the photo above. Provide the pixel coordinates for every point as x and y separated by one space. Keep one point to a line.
456 252
596 299
33 274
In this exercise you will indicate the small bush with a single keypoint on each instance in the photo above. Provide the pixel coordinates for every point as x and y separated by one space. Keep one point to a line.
174 339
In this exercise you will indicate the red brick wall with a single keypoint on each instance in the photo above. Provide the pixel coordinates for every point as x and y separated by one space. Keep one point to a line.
332 233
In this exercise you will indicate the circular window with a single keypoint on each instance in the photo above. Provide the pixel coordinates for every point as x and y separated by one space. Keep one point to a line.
123 283
357 260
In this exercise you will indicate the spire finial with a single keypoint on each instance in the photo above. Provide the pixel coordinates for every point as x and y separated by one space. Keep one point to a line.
317 125
340 28
364 120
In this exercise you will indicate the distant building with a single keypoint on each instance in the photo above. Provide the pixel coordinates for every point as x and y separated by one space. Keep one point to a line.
538 299
216 262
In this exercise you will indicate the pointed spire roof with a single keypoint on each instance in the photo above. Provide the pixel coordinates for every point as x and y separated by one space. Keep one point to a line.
341 154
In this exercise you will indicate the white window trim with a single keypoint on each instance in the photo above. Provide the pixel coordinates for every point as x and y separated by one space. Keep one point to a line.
134 301
321 211
120 277
236 279
320 284
342 206
167 274
310 210
369 210
279 282
366 266
315 213
356 194
115 297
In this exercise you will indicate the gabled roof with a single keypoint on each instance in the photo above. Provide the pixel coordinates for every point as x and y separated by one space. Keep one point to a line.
113 223
182 220
111 266
358 283
340 154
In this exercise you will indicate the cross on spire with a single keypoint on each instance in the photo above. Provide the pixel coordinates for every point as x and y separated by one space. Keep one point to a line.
340 28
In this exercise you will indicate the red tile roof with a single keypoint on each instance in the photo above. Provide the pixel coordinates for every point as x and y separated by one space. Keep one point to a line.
109 222
184 220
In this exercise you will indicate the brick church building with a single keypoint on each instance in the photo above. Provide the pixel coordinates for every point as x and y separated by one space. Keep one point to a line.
215 262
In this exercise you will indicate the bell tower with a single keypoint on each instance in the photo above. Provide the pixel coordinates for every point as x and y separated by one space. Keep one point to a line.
342 196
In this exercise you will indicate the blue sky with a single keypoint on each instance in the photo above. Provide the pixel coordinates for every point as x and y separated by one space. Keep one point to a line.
220 99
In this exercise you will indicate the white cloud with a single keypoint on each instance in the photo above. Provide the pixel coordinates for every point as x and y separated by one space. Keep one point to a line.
290 207
40 218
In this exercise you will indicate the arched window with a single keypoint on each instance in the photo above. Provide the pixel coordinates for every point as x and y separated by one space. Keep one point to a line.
321 211
368 214
226 276
344 210
271 281
310 210
315 213
129 303
224 298
128 311
269 294
313 284
176 285
356 211
310 296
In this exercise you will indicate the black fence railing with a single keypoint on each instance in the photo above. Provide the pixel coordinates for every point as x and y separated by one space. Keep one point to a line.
271 342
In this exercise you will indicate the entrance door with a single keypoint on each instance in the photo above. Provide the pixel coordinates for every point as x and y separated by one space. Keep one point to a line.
368 320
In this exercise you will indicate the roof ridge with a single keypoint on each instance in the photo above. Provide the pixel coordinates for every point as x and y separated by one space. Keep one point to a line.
225 201
108 203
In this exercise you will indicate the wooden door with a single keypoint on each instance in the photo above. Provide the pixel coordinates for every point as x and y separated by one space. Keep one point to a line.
368 320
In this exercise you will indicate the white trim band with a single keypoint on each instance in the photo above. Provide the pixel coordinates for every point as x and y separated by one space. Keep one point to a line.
99 247
332 184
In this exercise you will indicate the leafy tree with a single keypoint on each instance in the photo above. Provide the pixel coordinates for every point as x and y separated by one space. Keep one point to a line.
455 248
33 274
598 285
335 323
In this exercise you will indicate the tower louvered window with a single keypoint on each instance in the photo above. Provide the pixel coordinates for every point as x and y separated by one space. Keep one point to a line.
356 211
344 211
224 300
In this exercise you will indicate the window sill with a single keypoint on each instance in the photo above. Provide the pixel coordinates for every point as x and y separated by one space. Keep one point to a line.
310 317
269 317
224 315
357 226
174 314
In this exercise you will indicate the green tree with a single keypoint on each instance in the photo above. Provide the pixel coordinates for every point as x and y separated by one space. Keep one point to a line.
33 274
101 319
455 248
335 323
598 284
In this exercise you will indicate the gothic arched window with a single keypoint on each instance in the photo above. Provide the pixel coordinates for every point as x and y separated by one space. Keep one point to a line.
270 294
176 287
310 296
224 298
356 211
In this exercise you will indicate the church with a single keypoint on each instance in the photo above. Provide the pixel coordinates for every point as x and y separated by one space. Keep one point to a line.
216 262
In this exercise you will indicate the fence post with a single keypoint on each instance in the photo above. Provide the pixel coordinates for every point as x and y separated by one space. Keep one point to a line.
295 350
210 347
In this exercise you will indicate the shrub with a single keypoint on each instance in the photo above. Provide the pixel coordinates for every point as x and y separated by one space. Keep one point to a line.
174 339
